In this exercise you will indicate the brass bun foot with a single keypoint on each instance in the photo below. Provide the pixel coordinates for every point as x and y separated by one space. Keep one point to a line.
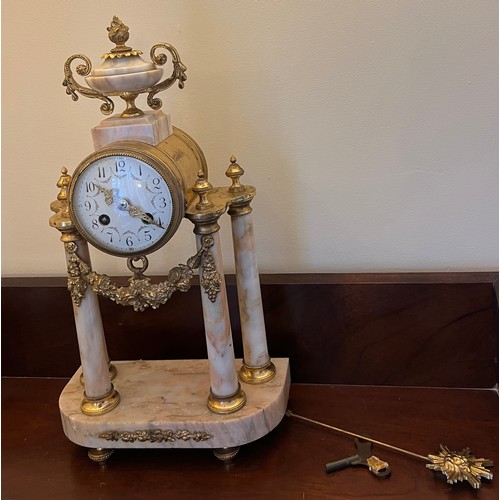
100 455
100 406
226 454
257 374
112 374
228 404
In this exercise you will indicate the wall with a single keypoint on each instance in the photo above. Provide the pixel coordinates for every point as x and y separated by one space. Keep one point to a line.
369 128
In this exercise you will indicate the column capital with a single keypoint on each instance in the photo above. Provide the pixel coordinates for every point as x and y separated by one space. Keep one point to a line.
61 219
207 223
240 208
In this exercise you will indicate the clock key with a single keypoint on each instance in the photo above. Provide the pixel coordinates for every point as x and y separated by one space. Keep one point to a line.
363 457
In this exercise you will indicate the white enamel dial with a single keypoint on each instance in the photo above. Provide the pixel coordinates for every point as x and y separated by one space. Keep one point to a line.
122 205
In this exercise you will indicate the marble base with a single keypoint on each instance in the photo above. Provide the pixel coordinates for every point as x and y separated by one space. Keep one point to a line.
164 405
152 128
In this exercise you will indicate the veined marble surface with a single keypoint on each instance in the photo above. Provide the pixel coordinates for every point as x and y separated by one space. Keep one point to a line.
91 339
128 74
152 128
171 395
253 328
125 82
220 350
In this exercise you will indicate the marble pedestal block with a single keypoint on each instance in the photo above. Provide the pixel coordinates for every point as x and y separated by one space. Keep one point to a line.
164 405
151 128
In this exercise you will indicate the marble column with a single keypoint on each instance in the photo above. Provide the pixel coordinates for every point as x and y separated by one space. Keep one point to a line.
257 366
226 395
100 396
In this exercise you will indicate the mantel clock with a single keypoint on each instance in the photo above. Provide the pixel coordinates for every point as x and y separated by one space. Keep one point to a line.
127 199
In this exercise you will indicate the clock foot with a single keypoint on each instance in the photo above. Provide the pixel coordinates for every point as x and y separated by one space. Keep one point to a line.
256 374
226 454
100 455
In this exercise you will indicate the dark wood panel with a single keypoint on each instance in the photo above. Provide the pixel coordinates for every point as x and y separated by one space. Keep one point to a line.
38 462
418 329
305 278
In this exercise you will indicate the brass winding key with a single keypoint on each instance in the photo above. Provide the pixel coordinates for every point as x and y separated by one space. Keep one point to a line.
363 457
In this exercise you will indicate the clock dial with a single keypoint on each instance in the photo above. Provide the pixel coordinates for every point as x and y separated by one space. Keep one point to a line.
122 205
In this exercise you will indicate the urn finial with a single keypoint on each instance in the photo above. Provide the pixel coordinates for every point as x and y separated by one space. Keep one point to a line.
118 34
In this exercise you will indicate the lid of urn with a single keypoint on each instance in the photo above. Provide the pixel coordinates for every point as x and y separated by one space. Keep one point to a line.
123 69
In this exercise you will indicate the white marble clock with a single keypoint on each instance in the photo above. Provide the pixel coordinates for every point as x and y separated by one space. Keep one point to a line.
127 199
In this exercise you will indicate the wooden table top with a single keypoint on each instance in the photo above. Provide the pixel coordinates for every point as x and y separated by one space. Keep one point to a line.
39 462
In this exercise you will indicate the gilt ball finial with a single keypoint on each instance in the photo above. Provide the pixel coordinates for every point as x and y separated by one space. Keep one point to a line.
234 172
202 187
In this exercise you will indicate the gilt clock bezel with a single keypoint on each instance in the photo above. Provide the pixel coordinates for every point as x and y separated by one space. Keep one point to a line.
147 154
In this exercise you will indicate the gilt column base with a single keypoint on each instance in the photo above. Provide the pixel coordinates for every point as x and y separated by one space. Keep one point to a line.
257 374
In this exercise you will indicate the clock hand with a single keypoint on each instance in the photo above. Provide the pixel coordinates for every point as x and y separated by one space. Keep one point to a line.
149 219
111 195
136 211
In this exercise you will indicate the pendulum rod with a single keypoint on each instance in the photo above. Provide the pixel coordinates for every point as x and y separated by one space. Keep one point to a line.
359 436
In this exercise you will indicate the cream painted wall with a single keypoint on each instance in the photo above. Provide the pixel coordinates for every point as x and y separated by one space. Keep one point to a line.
369 128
